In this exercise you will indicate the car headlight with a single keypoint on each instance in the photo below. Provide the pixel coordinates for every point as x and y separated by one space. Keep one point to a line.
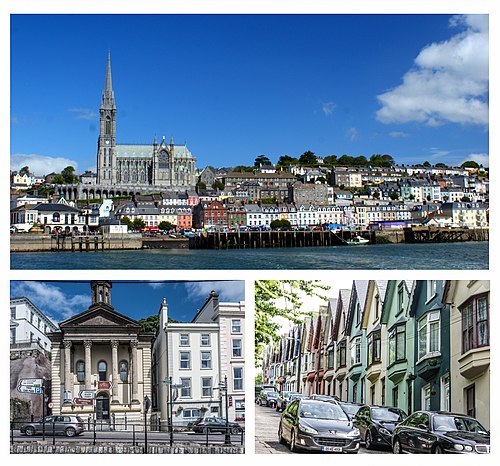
353 433
307 429
458 447
468 448
384 431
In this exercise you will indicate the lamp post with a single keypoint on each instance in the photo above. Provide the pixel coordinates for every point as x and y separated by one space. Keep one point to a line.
168 381
223 391
147 405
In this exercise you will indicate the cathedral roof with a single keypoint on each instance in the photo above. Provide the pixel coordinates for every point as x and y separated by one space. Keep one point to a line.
146 151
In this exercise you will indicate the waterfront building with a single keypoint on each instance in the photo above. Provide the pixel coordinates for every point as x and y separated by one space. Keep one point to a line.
307 215
210 214
269 213
308 193
397 332
254 215
431 341
348 177
469 302
102 352
236 215
467 214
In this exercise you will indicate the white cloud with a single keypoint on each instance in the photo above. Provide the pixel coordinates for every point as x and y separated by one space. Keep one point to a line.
449 82
481 159
352 133
84 113
328 108
398 134
228 291
40 164
51 300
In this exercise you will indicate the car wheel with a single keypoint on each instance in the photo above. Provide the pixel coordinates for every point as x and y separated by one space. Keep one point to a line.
29 431
235 430
293 442
280 436
70 432
368 440
396 447
438 449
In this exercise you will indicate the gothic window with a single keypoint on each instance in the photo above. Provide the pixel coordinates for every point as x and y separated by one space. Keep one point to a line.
125 176
108 125
143 176
163 159
55 217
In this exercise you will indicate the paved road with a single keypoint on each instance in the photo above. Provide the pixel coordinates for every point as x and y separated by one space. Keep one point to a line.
127 437
266 433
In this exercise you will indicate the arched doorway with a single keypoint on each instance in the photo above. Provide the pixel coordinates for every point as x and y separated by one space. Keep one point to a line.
102 407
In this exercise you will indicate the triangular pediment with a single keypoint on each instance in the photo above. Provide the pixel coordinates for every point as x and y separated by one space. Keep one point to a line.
99 315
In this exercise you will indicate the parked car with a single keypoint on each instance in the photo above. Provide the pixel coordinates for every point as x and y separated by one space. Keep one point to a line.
69 425
324 398
267 398
286 397
216 424
350 408
377 423
318 426
440 432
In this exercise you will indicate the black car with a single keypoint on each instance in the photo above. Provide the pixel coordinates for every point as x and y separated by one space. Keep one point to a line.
324 398
440 432
350 408
216 424
285 398
267 397
376 424
318 426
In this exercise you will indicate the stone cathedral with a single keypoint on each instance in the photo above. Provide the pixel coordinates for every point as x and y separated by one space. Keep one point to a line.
163 165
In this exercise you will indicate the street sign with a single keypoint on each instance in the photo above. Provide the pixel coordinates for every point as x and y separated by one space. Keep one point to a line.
29 389
87 394
103 385
82 402
33 382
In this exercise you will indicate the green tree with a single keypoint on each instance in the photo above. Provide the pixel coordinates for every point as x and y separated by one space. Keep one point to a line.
58 179
138 224
152 323
201 185
330 160
261 160
69 176
470 164
426 164
243 168
24 171
285 161
280 224
126 221
218 185
394 195
308 158
281 299
165 226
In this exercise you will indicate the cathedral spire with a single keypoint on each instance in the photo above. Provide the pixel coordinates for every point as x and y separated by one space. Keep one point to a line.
108 96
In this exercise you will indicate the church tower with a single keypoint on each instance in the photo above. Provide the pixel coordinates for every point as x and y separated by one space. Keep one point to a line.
101 292
106 145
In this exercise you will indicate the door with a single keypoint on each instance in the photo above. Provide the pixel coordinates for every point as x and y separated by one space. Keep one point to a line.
102 407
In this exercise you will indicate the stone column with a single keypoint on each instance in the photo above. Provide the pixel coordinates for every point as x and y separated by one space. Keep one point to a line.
135 384
114 368
88 364
68 379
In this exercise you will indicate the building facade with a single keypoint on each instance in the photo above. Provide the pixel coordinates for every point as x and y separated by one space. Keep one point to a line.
101 363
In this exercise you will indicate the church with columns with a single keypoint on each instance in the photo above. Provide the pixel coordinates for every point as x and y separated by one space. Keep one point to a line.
101 363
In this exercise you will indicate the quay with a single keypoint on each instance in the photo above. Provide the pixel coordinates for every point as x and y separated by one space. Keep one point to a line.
240 239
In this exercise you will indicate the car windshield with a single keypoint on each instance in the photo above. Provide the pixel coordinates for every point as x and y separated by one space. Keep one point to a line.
350 409
454 423
272 395
386 414
322 411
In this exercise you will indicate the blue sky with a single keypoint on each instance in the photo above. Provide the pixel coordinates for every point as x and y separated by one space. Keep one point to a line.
60 300
236 86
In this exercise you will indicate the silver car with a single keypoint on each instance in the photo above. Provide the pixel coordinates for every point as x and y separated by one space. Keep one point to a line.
69 425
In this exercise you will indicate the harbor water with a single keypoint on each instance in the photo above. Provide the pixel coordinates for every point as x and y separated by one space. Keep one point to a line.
436 256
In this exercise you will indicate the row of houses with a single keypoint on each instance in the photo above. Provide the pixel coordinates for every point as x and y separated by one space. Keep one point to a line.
185 369
347 211
421 344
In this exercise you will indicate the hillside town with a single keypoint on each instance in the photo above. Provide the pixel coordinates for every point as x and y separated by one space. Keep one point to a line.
305 196
415 346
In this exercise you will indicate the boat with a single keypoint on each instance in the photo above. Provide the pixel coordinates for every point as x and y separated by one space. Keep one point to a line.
357 240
